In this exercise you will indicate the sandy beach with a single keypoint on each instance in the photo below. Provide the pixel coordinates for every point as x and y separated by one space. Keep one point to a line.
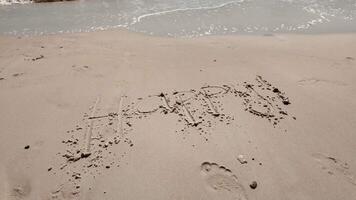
120 115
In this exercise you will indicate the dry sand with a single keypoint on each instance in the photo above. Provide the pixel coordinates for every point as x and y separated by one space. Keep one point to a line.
117 115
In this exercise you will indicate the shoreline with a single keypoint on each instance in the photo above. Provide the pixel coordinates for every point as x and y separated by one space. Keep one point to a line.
193 145
121 30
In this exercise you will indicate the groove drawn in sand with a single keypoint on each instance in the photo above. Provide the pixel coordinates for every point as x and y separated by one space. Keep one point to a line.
120 117
336 167
89 133
222 179
93 145
188 107
80 68
263 100
212 108
188 116
166 102
32 58
315 81
18 74
105 134
200 110
149 105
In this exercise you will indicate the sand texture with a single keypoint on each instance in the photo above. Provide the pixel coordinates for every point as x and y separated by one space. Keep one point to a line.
117 115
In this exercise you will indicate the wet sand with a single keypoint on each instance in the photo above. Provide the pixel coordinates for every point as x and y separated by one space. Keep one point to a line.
118 115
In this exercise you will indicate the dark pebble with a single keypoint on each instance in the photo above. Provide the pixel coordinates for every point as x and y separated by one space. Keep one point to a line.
350 58
285 102
85 155
253 185
276 90
27 147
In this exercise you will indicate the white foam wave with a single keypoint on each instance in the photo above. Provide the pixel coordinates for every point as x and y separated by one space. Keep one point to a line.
9 2
138 19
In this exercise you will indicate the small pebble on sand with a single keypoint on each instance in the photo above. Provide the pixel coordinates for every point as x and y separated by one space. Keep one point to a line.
253 185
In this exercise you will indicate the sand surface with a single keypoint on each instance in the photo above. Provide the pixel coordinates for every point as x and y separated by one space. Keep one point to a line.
117 115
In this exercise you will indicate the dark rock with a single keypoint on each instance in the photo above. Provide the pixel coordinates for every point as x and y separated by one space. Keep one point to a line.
253 185
73 159
37 58
27 147
17 74
286 102
276 90
85 155
350 58
283 113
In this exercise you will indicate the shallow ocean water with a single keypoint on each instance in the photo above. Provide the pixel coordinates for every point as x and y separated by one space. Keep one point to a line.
179 18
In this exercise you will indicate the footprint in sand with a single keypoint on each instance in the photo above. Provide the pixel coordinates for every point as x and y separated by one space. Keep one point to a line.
335 167
18 188
222 179
63 193
16 182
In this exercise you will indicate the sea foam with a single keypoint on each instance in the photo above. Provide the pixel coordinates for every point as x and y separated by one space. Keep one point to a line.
9 2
